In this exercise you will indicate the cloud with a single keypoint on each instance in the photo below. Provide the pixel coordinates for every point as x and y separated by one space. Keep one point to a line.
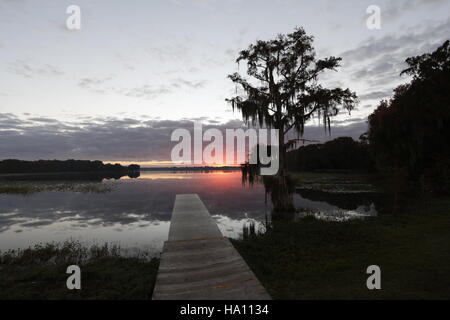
170 53
377 95
339 128
385 49
43 119
23 68
395 9
377 63
108 138
146 91
190 84
9 120
120 139
89 83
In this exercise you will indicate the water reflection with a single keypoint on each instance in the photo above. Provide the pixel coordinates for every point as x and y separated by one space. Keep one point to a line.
136 212
336 206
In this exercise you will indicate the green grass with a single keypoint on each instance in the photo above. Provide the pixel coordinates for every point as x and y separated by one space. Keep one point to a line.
312 259
40 273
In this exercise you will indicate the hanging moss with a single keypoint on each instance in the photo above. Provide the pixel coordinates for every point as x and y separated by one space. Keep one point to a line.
288 94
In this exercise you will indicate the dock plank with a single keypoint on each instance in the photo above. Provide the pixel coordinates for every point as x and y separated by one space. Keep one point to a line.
198 263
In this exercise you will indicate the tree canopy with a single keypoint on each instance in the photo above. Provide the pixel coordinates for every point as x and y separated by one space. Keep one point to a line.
342 153
410 131
281 91
286 93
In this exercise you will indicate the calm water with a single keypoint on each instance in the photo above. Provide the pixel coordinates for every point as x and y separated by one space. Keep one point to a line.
136 212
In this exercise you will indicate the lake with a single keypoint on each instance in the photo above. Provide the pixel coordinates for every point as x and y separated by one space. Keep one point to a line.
135 213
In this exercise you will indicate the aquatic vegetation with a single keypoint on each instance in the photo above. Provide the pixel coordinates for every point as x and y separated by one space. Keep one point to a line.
338 215
30 187
334 182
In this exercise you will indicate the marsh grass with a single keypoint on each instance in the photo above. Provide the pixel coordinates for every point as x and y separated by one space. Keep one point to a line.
336 182
39 272
30 187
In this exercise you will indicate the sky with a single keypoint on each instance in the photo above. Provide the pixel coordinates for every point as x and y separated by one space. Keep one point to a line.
137 70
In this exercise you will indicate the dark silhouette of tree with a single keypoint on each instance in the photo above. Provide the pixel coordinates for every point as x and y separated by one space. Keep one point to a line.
66 166
342 153
408 135
134 167
283 92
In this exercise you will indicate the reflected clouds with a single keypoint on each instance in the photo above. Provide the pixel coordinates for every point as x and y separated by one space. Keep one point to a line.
137 212
132 204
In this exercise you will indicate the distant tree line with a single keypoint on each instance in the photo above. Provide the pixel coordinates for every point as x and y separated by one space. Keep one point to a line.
58 166
341 154
191 169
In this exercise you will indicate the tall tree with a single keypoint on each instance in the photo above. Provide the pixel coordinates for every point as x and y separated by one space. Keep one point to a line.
283 92
410 131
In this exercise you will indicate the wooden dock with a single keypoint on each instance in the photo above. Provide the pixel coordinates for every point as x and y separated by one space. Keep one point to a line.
199 263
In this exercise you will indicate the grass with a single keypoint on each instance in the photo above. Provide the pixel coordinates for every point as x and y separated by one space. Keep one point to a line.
312 259
40 273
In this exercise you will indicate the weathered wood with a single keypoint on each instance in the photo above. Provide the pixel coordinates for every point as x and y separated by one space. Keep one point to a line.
198 263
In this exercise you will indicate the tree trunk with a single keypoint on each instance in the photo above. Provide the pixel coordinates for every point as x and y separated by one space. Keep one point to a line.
281 196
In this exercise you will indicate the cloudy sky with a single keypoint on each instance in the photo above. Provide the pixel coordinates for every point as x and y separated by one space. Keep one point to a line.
136 70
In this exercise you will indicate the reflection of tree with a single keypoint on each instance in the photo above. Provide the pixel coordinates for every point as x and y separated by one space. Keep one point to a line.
251 174
141 201
134 174
251 170
69 176
347 201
